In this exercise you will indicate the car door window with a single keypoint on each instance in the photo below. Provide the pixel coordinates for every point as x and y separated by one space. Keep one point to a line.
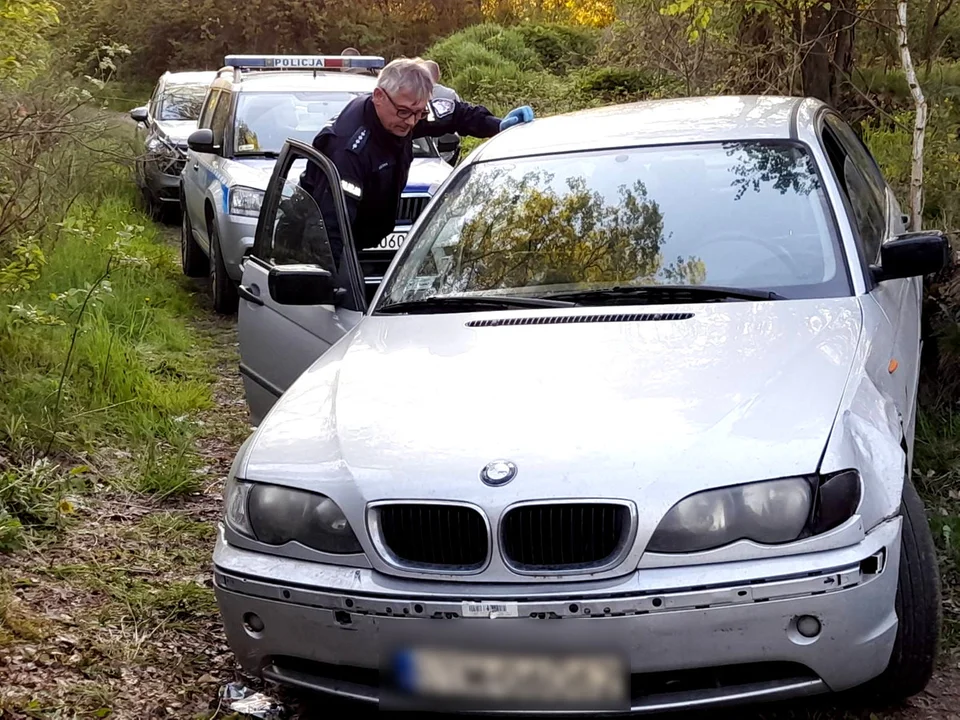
861 156
299 233
299 228
866 202
209 106
218 122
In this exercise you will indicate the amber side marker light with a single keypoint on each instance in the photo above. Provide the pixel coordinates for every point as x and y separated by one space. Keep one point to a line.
892 367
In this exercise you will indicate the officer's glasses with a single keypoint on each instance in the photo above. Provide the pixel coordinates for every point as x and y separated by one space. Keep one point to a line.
406 113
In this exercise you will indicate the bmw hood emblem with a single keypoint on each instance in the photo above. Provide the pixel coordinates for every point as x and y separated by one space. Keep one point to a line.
498 472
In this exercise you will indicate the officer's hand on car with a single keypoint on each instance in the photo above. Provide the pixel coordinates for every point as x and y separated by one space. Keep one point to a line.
518 115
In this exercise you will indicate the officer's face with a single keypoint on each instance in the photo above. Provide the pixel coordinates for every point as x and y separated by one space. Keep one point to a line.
400 112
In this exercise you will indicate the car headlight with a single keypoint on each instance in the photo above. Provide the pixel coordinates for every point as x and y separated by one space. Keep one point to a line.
245 201
235 496
158 147
770 512
277 515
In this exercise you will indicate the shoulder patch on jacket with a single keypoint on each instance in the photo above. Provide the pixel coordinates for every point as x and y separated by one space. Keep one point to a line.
359 139
442 107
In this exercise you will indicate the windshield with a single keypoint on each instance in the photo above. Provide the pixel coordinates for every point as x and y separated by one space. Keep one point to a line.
182 102
266 120
747 215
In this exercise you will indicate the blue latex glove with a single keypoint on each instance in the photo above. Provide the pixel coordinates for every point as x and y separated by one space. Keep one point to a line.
517 115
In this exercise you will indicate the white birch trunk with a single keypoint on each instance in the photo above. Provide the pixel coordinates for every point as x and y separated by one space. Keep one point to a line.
920 123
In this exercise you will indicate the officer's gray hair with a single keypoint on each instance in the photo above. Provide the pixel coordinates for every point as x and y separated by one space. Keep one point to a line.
406 75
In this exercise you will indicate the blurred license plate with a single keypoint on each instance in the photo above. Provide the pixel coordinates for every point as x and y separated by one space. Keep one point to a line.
458 680
393 241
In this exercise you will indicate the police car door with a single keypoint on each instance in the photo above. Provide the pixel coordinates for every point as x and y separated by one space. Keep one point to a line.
296 300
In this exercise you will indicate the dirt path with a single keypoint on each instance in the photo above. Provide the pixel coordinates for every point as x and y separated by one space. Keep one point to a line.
117 618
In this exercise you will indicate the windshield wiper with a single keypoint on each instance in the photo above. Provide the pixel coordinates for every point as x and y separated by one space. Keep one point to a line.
456 303
656 294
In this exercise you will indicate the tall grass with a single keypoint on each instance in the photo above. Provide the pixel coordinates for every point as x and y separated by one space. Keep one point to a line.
98 359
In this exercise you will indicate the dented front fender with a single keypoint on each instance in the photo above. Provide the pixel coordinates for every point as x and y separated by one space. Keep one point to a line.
868 432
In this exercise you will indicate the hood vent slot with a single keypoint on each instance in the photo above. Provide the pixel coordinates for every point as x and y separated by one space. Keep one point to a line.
580 319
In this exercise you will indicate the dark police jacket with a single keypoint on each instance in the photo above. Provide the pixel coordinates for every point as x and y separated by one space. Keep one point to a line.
373 163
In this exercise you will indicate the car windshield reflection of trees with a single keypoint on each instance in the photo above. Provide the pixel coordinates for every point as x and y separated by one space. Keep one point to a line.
182 103
747 215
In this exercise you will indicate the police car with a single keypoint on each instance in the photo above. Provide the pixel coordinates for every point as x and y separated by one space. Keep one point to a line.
255 104
163 126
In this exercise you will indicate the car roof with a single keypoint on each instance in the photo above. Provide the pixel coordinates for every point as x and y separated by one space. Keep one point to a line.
655 122
287 81
193 77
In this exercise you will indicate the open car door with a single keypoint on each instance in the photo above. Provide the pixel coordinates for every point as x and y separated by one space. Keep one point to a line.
296 298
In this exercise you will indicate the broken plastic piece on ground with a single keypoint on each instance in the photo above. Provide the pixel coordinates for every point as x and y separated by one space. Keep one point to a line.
245 701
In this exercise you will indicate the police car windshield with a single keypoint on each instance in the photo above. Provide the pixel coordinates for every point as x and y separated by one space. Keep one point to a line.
265 120
182 102
741 215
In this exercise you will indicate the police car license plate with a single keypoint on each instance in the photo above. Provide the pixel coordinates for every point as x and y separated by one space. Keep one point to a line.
457 679
393 241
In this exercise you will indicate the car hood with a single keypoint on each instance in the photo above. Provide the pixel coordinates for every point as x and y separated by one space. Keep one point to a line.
177 131
416 405
425 173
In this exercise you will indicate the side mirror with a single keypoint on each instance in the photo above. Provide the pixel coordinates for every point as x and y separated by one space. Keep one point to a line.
912 254
301 285
201 141
447 144
139 114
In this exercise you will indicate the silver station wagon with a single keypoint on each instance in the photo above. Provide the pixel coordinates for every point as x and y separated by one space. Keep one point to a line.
628 425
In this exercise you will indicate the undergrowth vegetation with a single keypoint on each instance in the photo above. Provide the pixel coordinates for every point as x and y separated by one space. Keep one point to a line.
102 371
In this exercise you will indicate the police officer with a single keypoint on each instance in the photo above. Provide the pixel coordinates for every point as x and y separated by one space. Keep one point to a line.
442 91
439 91
371 144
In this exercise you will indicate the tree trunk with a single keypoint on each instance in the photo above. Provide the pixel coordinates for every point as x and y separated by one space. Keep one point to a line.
816 71
920 123
756 34
845 24
827 43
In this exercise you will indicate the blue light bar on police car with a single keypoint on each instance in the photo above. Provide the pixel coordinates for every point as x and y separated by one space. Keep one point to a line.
303 62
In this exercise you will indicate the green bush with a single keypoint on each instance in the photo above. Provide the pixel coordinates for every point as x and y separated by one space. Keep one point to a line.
471 58
508 43
484 46
489 82
559 47
502 68
615 84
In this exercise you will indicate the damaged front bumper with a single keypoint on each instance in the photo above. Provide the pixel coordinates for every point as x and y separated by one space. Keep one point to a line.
691 636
